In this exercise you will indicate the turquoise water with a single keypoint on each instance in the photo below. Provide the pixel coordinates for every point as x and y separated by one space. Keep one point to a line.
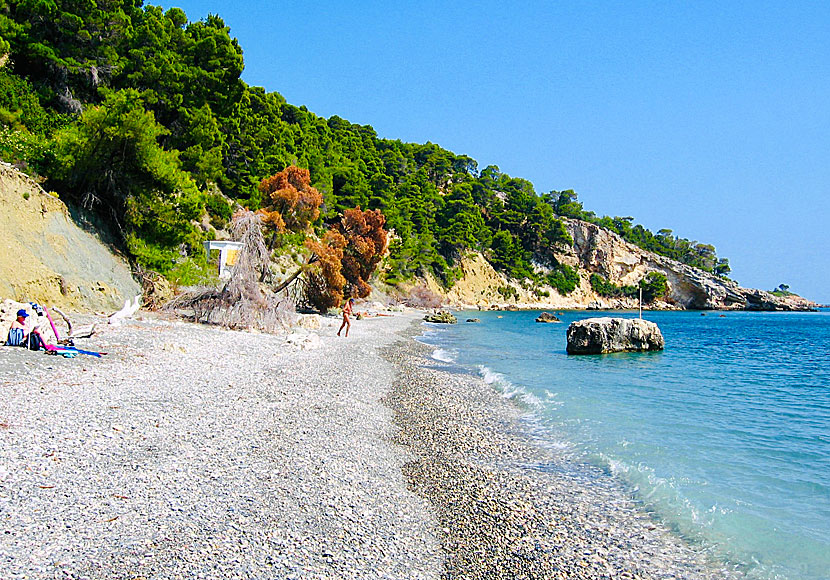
725 435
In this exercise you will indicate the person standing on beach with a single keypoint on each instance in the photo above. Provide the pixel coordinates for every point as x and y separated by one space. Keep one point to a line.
347 311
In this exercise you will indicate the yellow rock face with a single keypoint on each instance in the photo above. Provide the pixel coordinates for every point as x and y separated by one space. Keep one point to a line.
46 258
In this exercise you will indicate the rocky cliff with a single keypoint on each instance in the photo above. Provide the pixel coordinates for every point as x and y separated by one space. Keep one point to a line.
597 250
45 257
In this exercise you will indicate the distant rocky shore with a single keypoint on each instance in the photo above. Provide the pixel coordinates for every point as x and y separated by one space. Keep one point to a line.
600 251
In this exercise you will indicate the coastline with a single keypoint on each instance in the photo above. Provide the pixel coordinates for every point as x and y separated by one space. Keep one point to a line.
509 508
191 451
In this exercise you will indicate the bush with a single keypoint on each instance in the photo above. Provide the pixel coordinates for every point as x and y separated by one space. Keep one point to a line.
508 292
219 209
24 150
565 279
608 289
422 297
654 286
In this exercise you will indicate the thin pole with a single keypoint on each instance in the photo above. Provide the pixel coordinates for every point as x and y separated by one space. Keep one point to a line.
641 302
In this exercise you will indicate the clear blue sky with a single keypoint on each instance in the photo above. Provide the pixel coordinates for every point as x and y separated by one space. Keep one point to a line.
708 118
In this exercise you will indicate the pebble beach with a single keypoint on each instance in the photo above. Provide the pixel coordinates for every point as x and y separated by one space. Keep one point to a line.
195 452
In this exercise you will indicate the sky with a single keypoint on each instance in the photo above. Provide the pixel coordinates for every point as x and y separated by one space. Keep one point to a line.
711 119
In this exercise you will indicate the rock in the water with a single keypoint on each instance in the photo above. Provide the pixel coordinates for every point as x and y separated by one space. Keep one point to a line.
604 335
442 317
547 317
473 320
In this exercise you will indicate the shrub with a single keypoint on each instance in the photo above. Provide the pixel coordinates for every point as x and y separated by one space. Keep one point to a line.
654 286
508 292
422 297
607 288
565 279
219 209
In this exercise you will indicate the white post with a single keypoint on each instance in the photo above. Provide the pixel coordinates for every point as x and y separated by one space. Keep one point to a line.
641 302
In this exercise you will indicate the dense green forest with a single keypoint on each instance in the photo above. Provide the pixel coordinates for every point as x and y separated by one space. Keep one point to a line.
141 116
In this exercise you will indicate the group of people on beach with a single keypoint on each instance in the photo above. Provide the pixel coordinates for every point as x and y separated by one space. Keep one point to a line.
20 334
23 332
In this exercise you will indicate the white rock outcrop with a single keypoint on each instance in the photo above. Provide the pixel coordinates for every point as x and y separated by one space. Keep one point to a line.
605 335
598 250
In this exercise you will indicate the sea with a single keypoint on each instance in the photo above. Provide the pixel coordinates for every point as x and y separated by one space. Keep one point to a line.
724 436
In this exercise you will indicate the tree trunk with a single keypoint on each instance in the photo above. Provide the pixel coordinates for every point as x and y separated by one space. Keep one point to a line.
288 281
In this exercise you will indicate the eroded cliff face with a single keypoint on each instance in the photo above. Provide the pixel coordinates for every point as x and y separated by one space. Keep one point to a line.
597 250
45 257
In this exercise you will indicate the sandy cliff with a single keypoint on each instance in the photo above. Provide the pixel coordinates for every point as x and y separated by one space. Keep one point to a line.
45 257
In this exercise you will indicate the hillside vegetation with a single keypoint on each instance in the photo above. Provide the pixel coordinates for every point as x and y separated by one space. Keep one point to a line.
142 116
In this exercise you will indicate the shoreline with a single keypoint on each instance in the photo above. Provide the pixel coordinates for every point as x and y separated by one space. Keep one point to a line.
190 451
193 451
509 508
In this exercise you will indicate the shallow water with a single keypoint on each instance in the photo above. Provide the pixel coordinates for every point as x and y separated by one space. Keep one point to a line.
725 435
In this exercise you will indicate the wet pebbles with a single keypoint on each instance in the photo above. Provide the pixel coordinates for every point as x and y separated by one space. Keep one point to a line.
509 509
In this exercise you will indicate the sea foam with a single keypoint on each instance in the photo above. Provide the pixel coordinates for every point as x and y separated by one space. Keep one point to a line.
444 355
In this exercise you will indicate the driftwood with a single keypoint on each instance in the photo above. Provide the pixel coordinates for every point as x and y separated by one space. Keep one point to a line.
126 312
65 318
240 303
80 332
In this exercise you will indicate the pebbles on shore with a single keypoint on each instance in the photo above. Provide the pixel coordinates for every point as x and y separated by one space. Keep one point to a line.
508 508
194 452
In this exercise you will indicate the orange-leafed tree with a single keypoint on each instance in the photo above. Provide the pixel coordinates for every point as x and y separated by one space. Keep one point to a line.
366 242
324 278
292 203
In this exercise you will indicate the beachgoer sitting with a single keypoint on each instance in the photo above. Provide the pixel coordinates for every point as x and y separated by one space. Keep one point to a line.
347 311
19 335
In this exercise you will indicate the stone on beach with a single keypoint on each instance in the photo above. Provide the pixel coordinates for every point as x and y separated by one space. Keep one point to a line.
606 335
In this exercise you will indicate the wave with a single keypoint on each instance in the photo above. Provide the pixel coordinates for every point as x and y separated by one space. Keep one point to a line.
444 355
510 390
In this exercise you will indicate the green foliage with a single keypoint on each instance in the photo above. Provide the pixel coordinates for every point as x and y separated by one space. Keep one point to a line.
782 291
605 287
132 109
219 209
699 255
28 151
509 255
20 108
654 286
722 268
564 278
508 292
111 160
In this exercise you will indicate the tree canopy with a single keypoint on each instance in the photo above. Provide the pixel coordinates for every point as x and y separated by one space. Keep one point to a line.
143 115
